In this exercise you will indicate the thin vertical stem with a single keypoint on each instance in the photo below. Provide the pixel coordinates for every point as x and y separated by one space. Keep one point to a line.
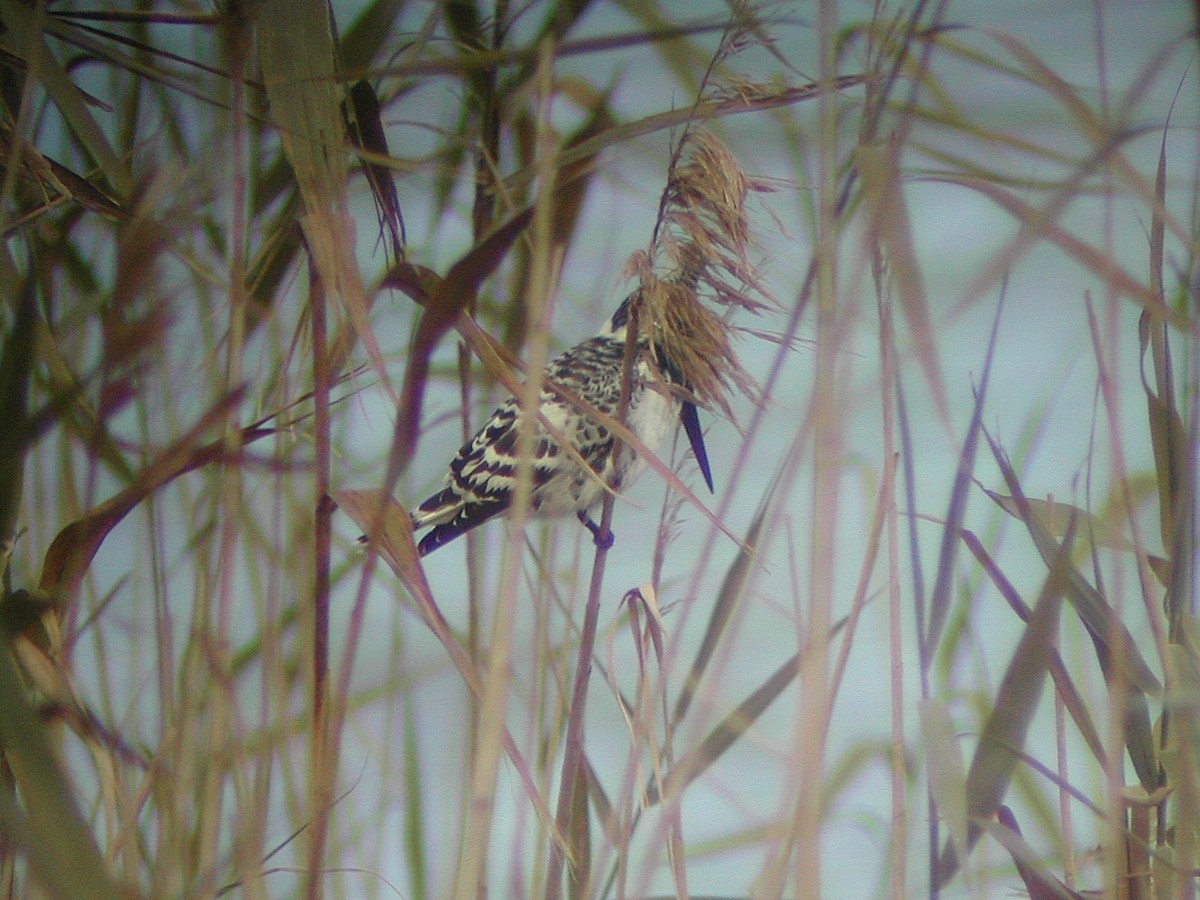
490 727
323 510
221 743
896 613
573 744
814 668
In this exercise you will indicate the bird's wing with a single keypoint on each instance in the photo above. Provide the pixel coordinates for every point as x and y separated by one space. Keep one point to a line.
481 479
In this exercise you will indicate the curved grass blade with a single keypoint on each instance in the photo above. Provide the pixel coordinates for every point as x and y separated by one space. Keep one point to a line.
1092 608
46 823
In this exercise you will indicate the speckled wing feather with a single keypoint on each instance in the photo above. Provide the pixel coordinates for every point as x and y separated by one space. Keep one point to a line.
479 483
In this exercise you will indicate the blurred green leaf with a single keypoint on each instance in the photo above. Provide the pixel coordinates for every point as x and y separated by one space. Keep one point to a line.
47 826
945 768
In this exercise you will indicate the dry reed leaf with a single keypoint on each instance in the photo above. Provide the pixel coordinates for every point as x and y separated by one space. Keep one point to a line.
703 111
726 733
572 180
365 127
388 524
943 588
1100 621
297 52
892 230
1181 754
73 548
449 297
1039 224
396 547
1069 694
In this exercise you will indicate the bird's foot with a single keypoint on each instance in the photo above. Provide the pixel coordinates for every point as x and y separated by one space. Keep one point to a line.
603 537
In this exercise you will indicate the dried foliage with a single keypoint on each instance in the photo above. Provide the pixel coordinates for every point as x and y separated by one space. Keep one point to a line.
702 249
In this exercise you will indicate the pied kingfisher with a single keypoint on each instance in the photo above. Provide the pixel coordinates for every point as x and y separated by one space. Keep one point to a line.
482 476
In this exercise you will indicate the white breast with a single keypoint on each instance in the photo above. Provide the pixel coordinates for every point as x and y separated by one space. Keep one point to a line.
652 418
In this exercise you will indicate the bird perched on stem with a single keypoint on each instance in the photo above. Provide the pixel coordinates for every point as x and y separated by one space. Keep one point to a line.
482 477
682 357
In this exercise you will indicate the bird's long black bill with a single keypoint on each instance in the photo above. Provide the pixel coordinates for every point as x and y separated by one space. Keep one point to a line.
691 424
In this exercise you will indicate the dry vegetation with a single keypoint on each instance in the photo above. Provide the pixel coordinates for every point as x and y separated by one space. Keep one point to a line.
206 690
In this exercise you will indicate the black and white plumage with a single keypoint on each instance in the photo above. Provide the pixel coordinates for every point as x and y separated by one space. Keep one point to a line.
482 476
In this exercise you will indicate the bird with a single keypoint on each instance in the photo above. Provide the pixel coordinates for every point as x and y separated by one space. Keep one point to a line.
481 480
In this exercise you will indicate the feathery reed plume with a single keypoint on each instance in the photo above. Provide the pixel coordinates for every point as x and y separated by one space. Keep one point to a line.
703 232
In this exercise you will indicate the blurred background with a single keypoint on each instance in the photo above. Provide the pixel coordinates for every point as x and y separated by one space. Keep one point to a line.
987 226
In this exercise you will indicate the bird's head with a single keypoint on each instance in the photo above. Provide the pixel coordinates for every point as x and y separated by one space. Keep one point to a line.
618 324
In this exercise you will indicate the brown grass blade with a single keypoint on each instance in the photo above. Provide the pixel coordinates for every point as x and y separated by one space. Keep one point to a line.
52 178
1056 518
580 849
943 587
572 182
393 542
705 110
1040 223
1039 882
388 525
449 297
891 229
363 122
1063 683
1100 621
1168 435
